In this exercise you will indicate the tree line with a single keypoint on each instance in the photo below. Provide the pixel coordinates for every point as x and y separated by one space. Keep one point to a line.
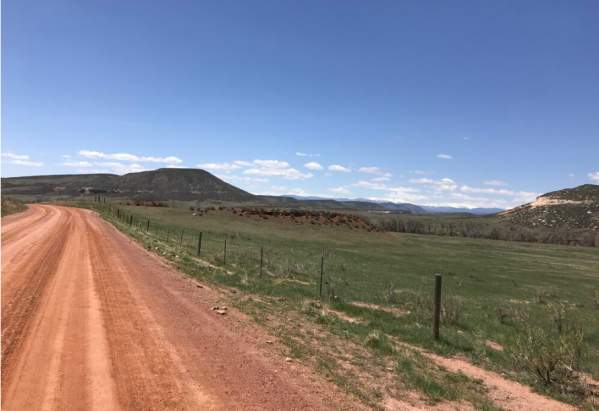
479 227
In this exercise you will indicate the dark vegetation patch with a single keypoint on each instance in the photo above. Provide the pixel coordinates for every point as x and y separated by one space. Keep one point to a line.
313 217
515 227
11 206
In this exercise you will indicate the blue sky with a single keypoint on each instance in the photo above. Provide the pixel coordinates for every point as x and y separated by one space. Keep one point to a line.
466 103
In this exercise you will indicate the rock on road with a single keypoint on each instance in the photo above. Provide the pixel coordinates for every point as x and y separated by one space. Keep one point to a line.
90 320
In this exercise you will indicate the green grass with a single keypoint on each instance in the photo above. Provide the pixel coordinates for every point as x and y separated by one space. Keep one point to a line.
483 277
11 206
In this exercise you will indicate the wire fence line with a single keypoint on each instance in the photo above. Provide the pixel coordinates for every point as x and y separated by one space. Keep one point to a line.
305 267
336 275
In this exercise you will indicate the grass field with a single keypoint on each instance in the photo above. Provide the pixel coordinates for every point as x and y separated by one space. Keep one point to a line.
11 206
494 292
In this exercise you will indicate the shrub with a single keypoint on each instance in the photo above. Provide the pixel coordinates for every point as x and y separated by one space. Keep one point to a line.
551 358
505 315
422 308
378 341
452 310
310 307
391 295
560 315
544 297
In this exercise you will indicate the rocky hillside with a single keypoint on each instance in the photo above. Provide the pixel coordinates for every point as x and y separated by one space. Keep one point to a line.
573 208
161 184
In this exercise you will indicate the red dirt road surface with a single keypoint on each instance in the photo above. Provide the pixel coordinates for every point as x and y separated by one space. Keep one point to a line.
90 320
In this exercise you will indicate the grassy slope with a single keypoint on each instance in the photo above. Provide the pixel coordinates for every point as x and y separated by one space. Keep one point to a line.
11 206
481 274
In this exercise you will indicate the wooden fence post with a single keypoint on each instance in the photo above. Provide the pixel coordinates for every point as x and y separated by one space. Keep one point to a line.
225 253
148 226
321 274
261 260
131 220
437 306
200 244
168 233
181 238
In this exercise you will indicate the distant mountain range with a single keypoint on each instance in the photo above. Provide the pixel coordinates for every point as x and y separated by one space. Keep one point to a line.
191 185
404 207
578 207
462 210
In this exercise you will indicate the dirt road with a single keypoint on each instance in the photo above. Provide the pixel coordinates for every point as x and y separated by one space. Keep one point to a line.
90 320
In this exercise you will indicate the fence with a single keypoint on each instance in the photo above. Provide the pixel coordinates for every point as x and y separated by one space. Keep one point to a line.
228 251
311 271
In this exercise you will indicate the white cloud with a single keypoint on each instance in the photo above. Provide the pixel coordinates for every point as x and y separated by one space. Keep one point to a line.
166 160
98 155
313 165
370 170
283 190
466 200
420 172
495 183
243 179
594 176
468 189
398 194
339 168
370 185
527 195
120 168
21 160
382 178
242 163
78 164
444 156
300 154
219 166
340 190
444 184
13 156
256 169
445 192
275 168
399 197
175 166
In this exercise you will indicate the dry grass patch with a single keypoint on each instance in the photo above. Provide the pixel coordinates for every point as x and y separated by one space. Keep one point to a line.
398 312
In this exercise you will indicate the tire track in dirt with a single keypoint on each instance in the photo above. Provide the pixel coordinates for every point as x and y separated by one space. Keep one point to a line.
20 299
23 244
145 367
16 222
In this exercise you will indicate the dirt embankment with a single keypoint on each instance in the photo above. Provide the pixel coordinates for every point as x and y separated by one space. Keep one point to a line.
297 216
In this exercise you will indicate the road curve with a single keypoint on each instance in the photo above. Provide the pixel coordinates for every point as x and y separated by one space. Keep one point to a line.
90 320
